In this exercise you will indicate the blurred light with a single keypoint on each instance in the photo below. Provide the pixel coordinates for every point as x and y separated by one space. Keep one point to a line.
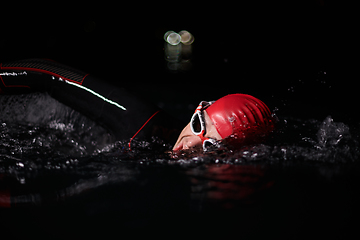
167 34
178 57
173 52
172 38
186 52
178 50
186 37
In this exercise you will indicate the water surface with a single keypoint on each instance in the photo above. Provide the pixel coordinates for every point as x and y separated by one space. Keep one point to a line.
62 175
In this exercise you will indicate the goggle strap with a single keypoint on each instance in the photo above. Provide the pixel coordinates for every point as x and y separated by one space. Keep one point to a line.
203 105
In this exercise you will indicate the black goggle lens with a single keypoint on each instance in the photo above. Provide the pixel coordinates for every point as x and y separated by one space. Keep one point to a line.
207 144
196 124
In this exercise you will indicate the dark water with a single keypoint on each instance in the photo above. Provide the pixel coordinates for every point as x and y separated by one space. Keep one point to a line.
62 177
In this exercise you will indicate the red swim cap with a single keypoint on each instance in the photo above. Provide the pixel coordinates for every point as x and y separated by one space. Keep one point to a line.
241 116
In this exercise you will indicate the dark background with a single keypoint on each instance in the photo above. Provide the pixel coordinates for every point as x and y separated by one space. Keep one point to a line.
279 52
297 56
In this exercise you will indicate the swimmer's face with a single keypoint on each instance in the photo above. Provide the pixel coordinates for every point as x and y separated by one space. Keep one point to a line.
187 139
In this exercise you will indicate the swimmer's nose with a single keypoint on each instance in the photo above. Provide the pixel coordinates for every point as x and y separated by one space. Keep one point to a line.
187 143
186 139
190 142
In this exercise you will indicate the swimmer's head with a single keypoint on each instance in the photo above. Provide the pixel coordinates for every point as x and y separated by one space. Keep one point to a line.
235 119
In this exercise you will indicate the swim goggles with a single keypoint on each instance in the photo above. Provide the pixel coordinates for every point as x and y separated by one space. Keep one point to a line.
197 125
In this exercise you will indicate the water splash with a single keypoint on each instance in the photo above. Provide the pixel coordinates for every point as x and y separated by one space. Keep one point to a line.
295 139
326 141
75 155
56 144
330 133
38 124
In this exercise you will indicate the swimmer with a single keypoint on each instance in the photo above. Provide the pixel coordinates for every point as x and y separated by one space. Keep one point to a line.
235 119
